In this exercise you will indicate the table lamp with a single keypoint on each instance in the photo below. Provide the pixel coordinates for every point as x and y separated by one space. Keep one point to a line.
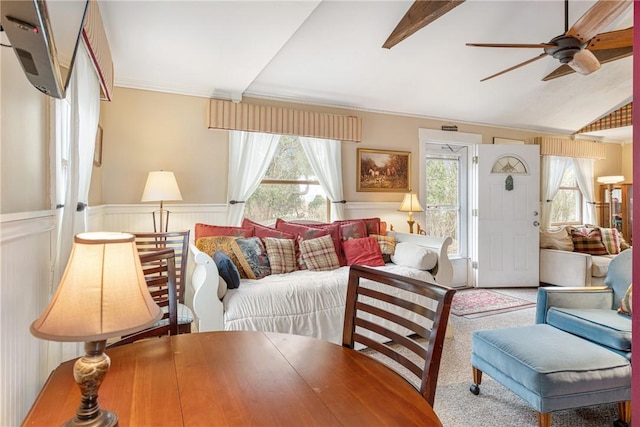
410 204
609 181
161 186
102 294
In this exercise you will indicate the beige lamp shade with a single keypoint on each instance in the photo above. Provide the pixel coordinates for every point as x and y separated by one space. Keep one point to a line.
410 203
612 179
102 293
161 186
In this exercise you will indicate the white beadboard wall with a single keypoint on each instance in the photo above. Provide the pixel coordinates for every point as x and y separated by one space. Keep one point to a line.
25 253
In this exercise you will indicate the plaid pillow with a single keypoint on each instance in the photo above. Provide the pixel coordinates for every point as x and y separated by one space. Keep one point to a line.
590 243
625 303
610 240
282 255
387 244
319 254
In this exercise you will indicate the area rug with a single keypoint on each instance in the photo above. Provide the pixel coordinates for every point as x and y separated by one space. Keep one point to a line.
474 303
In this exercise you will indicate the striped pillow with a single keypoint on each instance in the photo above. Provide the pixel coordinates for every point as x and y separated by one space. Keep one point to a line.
281 254
610 240
319 254
588 242
625 303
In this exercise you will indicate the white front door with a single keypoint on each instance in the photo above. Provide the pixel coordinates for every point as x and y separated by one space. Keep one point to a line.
508 185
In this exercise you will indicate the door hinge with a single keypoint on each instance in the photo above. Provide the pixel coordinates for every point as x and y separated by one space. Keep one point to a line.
474 212
474 160
474 265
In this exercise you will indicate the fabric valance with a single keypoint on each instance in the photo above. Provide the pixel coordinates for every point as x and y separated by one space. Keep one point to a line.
566 147
284 121
97 44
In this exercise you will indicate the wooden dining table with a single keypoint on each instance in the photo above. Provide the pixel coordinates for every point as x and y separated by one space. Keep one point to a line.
240 379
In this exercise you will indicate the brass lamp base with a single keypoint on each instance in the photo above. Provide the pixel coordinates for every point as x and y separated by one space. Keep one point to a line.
410 226
89 371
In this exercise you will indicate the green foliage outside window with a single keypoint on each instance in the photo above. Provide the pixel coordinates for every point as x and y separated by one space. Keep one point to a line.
442 206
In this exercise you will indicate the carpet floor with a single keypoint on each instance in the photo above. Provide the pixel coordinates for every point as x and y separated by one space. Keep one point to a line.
496 406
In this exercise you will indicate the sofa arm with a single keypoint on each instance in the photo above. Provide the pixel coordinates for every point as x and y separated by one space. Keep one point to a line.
600 297
564 268
207 306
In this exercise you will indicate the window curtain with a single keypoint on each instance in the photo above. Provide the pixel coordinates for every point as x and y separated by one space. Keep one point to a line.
84 98
251 153
552 170
325 157
584 177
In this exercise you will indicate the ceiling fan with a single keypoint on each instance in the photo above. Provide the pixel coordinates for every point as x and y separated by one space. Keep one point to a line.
581 48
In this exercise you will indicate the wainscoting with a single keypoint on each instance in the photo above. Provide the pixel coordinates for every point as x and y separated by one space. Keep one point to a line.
26 253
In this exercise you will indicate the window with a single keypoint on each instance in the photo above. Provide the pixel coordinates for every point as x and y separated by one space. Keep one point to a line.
566 207
290 190
445 184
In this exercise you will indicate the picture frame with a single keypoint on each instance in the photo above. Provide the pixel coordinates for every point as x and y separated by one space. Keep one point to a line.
383 170
97 154
507 141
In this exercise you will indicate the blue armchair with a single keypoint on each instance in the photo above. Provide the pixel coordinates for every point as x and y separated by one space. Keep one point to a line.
591 313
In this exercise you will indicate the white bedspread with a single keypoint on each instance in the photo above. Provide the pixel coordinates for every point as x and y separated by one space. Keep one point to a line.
304 302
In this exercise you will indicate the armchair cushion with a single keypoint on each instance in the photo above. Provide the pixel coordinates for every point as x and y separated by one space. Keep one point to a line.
605 327
619 275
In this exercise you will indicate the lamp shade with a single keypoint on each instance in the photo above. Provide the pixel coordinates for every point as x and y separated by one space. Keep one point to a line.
102 293
410 203
612 179
161 186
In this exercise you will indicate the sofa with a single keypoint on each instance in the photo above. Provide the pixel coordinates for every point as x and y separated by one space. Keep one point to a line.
303 302
578 255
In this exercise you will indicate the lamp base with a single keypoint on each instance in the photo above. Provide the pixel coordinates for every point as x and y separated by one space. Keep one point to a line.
103 419
410 226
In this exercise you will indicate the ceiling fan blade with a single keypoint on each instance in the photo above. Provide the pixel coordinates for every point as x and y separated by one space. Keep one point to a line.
612 40
515 66
584 62
603 56
596 19
420 14
516 45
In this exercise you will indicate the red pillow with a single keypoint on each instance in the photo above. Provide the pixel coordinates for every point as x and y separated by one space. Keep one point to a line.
373 224
353 230
365 251
263 231
206 230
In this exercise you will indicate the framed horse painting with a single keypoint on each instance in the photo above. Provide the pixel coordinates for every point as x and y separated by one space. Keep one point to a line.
384 170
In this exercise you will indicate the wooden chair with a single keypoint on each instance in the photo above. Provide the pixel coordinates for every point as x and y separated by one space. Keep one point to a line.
160 274
370 305
179 242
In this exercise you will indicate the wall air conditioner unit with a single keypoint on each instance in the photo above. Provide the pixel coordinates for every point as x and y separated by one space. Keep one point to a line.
44 36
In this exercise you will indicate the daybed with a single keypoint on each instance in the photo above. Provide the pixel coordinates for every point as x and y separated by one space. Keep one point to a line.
302 302
578 256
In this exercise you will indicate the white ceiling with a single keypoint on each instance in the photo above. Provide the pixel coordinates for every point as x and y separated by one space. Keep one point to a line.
329 53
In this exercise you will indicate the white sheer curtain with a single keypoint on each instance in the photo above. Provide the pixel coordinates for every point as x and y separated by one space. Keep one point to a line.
83 95
251 153
552 170
584 177
325 157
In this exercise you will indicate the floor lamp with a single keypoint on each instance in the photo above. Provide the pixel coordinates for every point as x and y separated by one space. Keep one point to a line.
609 181
161 186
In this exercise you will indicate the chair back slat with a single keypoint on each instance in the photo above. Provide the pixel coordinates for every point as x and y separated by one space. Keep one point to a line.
380 303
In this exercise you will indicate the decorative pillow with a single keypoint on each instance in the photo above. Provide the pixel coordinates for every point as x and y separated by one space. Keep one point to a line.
255 255
302 232
227 269
206 230
226 244
556 239
364 251
383 228
334 231
282 255
625 303
262 231
590 243
319 254
372 224
353 230
624 245
610 240
387 246
415 256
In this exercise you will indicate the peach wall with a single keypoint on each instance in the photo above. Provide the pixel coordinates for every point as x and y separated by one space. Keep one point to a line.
146 131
